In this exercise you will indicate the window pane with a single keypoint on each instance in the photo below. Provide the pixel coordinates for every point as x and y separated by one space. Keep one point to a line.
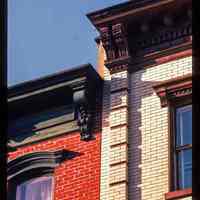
184 125
185 168
35 189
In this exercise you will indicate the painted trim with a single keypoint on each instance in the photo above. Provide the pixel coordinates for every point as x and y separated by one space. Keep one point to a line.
178 194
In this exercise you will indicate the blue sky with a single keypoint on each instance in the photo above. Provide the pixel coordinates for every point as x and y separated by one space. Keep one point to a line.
47 36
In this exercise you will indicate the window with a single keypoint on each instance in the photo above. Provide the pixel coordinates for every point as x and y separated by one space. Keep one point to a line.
30 177
183 147
176 94
38 188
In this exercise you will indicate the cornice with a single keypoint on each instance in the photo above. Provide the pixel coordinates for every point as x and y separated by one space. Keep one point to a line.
158 57
144 29
77 87
174 89
123 11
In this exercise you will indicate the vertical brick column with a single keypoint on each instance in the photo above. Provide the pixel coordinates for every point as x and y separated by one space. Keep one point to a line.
105 138
118 136
114 177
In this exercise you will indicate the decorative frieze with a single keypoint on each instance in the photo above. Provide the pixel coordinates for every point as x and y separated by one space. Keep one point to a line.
114 39
120 40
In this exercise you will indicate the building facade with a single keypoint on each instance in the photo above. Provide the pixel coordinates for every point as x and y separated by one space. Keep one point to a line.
146 119
123 133
54 137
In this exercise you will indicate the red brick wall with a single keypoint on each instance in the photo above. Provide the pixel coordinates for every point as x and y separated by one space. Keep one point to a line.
77 178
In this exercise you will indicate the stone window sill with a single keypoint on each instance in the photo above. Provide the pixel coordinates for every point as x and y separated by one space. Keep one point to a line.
178 194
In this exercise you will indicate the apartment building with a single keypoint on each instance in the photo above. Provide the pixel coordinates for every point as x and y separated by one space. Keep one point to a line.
121 133
54 137
146 58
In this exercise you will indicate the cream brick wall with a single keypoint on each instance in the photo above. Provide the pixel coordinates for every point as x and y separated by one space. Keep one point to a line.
105 138
148 131
118 192
114 137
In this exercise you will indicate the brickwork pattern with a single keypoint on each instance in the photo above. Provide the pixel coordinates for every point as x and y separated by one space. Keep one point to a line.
77 178
114 137
118 124
148 131
105 138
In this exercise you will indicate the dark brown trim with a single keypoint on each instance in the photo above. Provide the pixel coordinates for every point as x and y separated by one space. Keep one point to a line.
118 107
118 144
119 90
118 182
118 163
174 56
178 194
122 12
118 126
146 60
171 166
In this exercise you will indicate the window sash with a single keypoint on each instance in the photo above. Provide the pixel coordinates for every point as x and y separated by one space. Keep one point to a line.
180 147
184 165
180 126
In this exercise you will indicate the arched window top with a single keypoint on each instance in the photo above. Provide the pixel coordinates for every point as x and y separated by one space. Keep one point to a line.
44 162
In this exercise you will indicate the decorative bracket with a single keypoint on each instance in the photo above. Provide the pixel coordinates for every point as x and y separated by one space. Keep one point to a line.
114 41
120 40
84 115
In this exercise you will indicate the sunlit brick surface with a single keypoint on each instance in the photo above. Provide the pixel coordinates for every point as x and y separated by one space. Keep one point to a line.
148 131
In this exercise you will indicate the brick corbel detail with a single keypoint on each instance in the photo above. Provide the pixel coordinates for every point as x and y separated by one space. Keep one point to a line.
174 89
120 40
114 39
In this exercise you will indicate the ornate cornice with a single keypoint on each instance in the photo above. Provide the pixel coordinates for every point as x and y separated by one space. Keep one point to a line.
125 11
77 88
174 89
136 29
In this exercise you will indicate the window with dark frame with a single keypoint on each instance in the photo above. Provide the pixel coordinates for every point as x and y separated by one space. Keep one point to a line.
176 94
183 147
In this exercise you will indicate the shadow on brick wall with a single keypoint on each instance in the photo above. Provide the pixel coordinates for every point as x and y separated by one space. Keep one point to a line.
137 91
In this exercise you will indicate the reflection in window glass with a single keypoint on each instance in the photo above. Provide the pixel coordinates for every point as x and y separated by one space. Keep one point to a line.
184 146
185 168
184 125
35 189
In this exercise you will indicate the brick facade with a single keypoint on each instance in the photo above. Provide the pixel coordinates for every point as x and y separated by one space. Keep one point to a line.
148 131
135 137
77 178
129 157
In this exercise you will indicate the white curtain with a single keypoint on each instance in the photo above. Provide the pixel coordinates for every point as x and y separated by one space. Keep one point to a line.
35 189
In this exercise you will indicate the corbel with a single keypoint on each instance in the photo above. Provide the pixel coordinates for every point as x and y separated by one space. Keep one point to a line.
106 37
120 39
84 115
